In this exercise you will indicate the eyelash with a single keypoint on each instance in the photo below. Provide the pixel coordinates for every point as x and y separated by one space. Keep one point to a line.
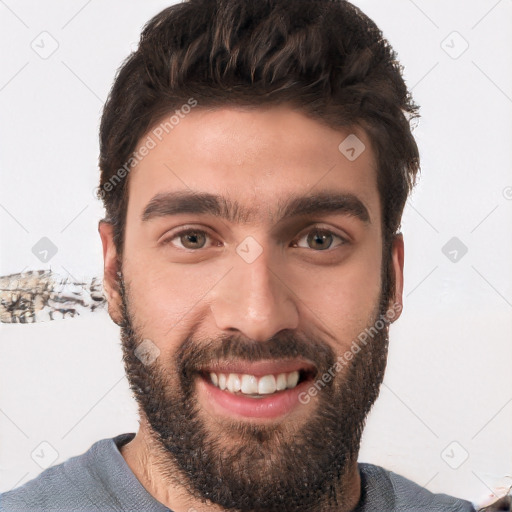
343 241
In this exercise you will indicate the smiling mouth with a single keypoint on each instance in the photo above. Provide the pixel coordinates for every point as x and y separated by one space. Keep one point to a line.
260 384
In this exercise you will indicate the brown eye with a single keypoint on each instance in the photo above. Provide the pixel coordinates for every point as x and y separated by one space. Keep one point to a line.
188 239
319 240
193 239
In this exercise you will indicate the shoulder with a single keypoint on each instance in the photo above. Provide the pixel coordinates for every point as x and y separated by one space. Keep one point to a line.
71 485
383 487
53 489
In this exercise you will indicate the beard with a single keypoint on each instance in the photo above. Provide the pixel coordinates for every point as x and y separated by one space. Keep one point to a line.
283 466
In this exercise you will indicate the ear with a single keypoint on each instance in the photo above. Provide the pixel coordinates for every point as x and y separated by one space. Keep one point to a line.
397 261
110 268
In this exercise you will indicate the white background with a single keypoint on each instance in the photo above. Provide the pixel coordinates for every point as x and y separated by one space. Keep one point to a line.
447 393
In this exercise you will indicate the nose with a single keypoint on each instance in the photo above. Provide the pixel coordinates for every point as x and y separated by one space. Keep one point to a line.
255 300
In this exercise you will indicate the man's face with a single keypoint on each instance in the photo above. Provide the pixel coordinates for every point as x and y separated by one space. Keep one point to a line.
267 295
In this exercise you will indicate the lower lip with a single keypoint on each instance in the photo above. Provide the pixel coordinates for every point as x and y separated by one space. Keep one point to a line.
272 406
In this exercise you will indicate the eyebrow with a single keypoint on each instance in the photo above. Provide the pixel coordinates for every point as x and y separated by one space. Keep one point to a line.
182 202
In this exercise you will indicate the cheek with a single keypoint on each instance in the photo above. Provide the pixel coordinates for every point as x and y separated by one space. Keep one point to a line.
343 298
168 301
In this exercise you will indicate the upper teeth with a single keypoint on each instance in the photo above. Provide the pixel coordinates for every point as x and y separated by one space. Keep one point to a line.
251 385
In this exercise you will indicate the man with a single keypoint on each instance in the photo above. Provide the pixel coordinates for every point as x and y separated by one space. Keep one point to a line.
255 162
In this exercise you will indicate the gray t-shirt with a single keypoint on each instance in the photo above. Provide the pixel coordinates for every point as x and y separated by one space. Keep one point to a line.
100 480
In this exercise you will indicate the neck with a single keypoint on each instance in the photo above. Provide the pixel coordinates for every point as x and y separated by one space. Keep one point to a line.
144 459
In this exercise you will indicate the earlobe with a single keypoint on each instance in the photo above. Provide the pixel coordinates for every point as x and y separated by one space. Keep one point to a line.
397 260
111 271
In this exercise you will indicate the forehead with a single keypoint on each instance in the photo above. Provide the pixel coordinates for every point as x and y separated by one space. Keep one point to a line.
257 158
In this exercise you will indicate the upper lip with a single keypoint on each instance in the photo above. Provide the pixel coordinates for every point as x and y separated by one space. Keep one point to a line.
260 368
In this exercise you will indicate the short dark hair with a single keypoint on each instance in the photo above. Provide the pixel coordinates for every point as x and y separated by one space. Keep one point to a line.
324 58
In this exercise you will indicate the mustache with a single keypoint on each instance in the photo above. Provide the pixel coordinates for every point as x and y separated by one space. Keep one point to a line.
195 352
193 355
